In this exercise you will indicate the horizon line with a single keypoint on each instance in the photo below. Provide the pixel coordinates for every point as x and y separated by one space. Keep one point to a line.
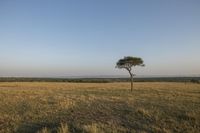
106 76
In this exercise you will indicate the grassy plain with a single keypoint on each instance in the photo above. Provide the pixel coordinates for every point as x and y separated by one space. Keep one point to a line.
33 107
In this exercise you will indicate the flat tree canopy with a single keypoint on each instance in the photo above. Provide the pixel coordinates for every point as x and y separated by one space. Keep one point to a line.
128 62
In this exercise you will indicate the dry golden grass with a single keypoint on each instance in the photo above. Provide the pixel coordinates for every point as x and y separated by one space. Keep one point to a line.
99 107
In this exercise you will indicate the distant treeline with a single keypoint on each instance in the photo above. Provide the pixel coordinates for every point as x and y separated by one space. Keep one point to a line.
103 80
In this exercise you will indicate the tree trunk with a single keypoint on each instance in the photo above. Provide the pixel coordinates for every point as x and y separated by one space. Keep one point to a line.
131 82
131 78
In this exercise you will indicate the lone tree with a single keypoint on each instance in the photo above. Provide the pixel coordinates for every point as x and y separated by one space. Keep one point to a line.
129 62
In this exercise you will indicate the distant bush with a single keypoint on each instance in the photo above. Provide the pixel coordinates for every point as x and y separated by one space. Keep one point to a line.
194 81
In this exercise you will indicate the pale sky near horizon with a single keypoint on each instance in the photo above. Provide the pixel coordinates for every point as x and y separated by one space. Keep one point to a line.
50 38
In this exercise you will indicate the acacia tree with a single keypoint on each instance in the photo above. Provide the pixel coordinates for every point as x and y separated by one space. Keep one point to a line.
129 62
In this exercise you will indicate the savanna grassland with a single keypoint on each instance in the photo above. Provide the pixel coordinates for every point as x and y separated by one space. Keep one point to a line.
43 107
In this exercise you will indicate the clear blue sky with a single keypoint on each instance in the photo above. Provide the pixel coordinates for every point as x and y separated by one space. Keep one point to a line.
87 37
